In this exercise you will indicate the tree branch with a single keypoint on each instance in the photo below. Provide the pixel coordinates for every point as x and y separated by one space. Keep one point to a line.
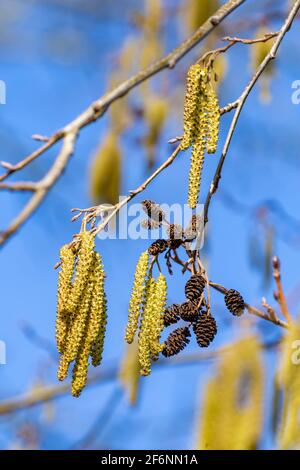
100 106
109 374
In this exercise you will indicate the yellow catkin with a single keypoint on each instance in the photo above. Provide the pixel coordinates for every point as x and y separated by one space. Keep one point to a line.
129 374
65 277
157 321
76 332
235 421
213 112
288 381
98 344
191 105
84 264
80 370
146 329
137 295
196 167
97 301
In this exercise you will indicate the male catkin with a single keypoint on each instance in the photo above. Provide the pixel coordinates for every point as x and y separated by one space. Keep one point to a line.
84 264
146 329
191 105
65 277
137 295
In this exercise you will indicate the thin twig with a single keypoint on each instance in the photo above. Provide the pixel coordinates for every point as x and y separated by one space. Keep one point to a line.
280 297
252 310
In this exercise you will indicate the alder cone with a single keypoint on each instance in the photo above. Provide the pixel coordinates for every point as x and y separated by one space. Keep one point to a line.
234 302
158 247
205 329
171 314
176 341
188 311
195 287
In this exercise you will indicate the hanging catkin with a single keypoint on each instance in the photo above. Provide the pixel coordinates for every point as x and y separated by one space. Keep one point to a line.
191 105
65 277
157 320
213 112
85 261
145 330
137 296
98 344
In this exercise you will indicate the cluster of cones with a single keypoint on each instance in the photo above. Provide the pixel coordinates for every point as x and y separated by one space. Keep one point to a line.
199 318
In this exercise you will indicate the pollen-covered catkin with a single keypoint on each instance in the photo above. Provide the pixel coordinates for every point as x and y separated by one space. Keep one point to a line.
191 105
98 344
145 330
213 112
157 320
197 162
84 264
65 277
80 369
137 295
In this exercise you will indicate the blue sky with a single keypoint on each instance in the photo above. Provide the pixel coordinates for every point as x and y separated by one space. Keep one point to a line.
48 85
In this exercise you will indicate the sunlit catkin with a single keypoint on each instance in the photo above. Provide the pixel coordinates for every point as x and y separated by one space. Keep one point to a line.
80 370
191 105
146 329
213 112
98 343
76 332
137 295
84 264
157 316
197 162
65 276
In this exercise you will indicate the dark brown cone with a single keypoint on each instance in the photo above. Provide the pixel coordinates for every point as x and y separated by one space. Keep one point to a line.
157 247
153 210
205 329
176 341
194 287
234 302
171 314
188 311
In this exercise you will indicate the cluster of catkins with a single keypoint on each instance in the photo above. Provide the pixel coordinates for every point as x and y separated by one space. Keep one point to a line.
81 310
201 124
146 308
